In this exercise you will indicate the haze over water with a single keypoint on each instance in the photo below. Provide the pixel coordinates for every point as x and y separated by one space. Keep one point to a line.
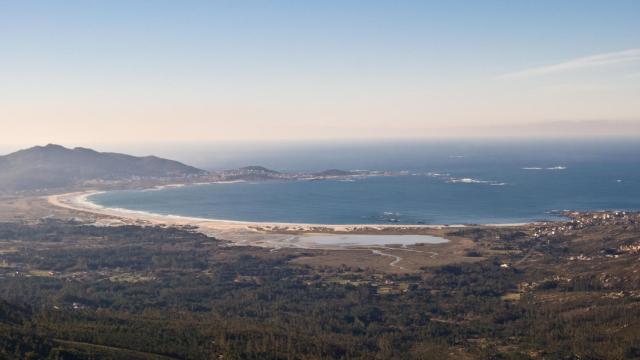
451 183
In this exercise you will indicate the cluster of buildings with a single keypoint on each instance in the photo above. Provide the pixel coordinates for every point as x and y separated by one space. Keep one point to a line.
583 220
580 220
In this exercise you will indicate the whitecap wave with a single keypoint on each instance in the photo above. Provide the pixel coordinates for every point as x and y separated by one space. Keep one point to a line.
467 181
475 181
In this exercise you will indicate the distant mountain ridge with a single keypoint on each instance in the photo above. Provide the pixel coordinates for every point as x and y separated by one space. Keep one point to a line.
54 166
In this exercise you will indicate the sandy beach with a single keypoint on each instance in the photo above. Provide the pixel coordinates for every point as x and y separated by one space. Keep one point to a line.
271 235
79 201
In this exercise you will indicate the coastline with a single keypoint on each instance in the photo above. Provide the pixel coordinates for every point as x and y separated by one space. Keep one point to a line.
78 201
294 236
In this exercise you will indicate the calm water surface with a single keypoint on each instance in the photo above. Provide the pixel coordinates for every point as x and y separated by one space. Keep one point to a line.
476 185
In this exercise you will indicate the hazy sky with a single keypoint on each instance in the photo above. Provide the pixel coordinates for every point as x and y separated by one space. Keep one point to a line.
77 72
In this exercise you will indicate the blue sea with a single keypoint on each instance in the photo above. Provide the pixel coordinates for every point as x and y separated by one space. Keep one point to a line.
446 183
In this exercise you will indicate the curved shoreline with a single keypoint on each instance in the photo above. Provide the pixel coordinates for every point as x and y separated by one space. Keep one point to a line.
78 201
274 235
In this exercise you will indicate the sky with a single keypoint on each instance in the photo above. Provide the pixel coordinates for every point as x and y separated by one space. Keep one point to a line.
109 72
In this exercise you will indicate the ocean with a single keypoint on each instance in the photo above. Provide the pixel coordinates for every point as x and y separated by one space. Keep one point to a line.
447 183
